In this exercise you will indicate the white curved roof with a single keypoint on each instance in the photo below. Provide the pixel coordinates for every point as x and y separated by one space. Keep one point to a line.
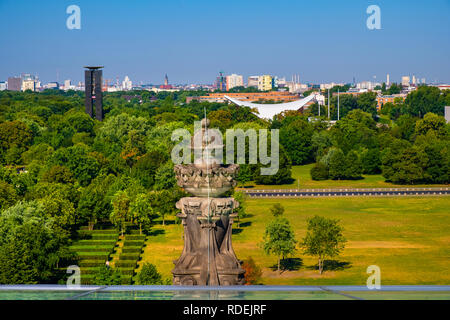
269 110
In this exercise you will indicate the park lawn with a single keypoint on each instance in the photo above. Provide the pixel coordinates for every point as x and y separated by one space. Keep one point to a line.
303 180
407 237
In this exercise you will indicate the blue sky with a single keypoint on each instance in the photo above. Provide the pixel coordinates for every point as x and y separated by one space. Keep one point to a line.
192 40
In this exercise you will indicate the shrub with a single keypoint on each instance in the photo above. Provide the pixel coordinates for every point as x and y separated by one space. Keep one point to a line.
253 272
107 276
277 210
149 275
319 171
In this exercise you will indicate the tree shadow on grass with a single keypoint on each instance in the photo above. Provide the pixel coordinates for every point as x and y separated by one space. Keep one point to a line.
156 232
332 265
288 264
245 224
236 230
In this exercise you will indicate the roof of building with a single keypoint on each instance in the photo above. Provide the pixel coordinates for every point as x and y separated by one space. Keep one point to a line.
267 111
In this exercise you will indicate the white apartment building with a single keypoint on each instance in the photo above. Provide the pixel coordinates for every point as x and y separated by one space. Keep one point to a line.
405 81
369 85
234 80
253 81
326 86
127 84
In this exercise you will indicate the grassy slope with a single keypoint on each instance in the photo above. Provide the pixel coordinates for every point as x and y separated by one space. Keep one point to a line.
302 173
407 238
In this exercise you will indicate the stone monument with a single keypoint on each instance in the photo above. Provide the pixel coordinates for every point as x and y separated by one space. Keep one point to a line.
208 257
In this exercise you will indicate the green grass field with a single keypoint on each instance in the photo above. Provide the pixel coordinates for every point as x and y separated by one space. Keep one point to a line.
407 237
304 181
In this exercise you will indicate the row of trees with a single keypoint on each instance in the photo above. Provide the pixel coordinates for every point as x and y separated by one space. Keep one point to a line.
415 151
324 238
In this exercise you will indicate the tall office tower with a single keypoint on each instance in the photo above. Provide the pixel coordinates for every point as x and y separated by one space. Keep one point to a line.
93 89
387 80
414 79
14 84
221 82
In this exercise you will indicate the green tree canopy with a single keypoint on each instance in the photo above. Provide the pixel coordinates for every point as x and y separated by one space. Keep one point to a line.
324 239
279 239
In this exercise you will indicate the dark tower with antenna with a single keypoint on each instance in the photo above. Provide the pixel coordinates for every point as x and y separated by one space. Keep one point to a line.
93 89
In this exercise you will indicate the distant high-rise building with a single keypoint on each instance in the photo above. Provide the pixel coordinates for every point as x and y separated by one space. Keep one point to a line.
29 84
413 79
14 84
3 85
127 84
221 82
52 85
280 82
67 84
405 81
265 82
93 89
252 82
423 81
388 82
234 80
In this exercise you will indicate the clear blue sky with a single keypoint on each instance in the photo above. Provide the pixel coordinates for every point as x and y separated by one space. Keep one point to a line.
192 40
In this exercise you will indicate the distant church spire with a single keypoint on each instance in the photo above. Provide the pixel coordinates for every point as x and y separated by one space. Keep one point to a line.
166 80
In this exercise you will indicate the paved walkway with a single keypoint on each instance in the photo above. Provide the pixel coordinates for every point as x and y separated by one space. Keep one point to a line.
349 192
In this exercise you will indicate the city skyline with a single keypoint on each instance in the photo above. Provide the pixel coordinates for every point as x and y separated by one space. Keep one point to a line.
321 42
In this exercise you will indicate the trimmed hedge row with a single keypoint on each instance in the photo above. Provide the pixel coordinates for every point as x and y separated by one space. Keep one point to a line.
91 263
131 250
135 237
126 264
94 242
127 271
133 231
133 243
98 237
98 257
130 256
89 270
93 270
105 231
92 249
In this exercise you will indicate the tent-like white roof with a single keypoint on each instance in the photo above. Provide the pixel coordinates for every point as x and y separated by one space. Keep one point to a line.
269 110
